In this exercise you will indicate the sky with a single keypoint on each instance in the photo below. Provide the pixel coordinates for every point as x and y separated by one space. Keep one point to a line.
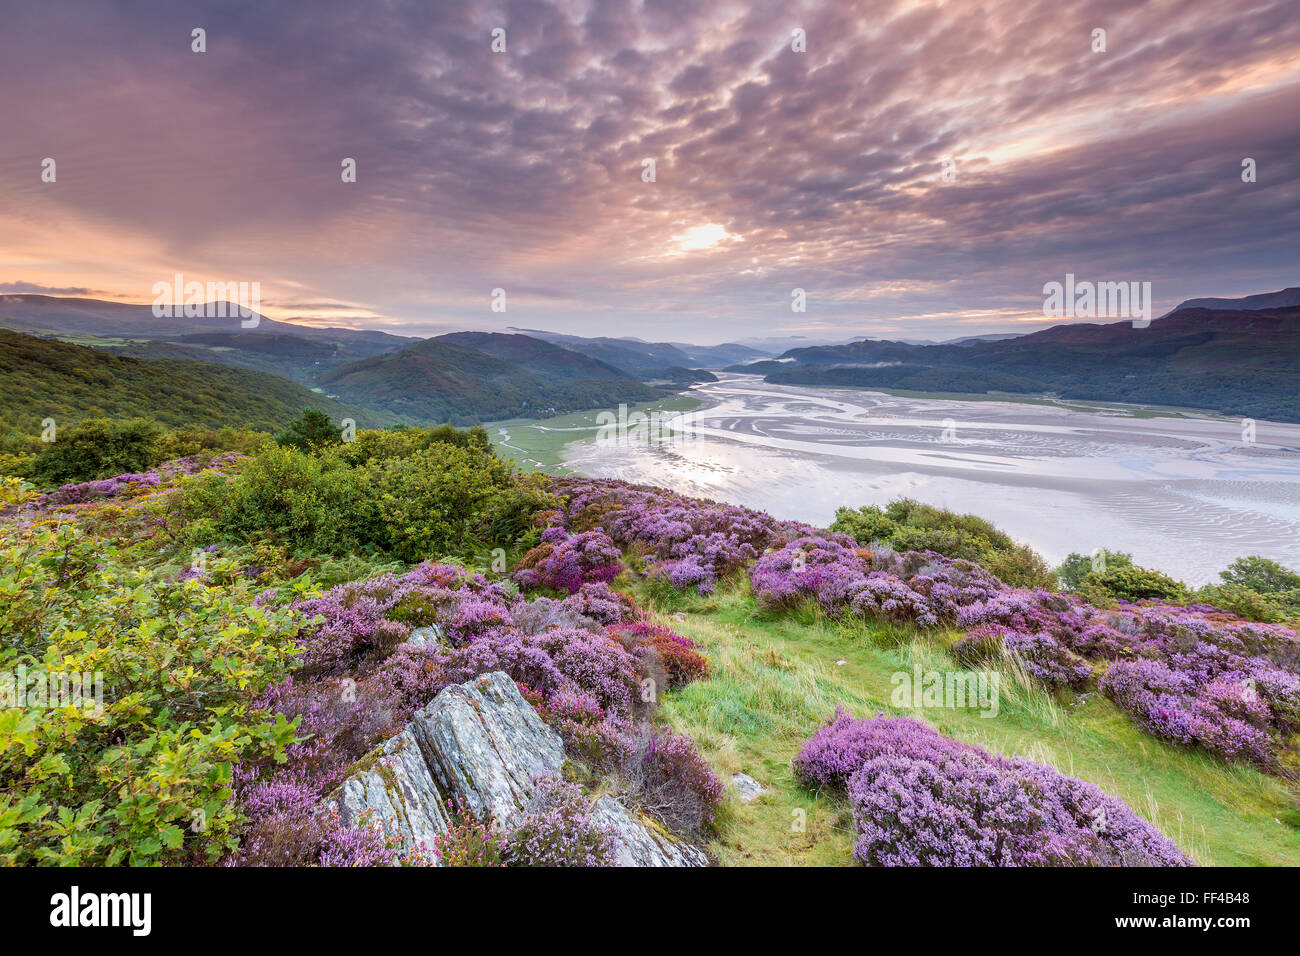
919 170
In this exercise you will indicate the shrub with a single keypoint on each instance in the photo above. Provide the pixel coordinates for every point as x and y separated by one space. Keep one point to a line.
310 431
677 785
468 842
439 498
556 829
920 799
1039 653
1260 575
1077 566
97 448
1132 583
908 525
568 562
125 779
679 656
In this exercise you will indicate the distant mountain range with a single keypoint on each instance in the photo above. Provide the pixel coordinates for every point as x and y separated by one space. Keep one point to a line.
650 359
1236 360
442 380
1237 356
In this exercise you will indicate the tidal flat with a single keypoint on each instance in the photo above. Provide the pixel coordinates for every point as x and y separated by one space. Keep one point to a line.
1185 493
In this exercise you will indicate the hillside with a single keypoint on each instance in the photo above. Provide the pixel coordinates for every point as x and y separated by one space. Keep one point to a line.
1238 362
440 381
44 378
537 356
65 315
788 661
649 359
301 359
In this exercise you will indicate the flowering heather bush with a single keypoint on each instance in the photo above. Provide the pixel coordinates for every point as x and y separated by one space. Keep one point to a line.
679 656
920 588
809 567
677 785
921 799
1232 720
1040 654
468 842
556 829
104 488
603 605
690 542
551 661
887 598
568 564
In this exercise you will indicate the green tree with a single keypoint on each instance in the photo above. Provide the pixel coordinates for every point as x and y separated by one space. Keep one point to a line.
310 431
97 448
1077 566
1261 575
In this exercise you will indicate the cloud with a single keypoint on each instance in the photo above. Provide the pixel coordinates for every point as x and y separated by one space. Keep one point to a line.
32 287
523 169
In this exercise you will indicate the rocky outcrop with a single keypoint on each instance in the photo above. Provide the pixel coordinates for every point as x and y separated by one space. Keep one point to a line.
485 744
640 842
480 745
394 783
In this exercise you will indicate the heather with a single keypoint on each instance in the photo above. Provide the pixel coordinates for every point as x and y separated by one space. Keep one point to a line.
921 799
683 542
381 648
657 709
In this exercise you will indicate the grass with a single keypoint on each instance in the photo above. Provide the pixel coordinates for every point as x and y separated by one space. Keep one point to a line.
776 679
540 445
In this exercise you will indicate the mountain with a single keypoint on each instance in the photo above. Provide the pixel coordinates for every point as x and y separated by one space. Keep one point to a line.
1283 299
66 315
717 356
44 378
537 356
298 352
441 381
643 359
1235 361
301 359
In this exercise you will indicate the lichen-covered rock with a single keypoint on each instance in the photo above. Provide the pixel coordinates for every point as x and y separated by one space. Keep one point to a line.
396 784
641 843
428 636
485 744
481 745
747 788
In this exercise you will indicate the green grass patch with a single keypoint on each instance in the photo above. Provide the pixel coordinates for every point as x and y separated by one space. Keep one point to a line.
539 445
777 678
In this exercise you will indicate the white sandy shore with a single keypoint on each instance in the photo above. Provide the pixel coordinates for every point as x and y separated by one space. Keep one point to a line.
1183 494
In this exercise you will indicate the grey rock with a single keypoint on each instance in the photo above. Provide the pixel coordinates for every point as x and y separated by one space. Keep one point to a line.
639 842
480 744
428 636
394 781
485 744
747 788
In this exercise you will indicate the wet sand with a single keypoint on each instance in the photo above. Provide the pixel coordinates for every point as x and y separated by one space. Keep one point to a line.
1185 495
